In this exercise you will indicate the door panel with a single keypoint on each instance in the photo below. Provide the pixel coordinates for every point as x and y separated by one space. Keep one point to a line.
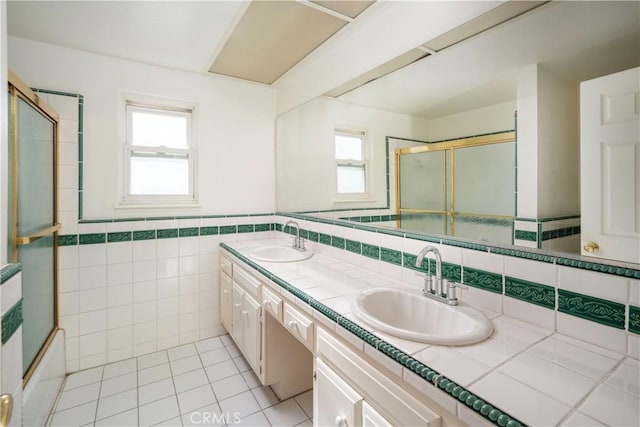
610 166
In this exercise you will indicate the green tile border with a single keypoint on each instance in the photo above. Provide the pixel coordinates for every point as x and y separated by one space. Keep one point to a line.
144 235
119 236
634 319
531 292
169 233
529 236
481 279
483 408
11 321
8 271
92 238
595 309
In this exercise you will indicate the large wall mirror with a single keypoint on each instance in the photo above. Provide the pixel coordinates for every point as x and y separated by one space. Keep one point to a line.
520 76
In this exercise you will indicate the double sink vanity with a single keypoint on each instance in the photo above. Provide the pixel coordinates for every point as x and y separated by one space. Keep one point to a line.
380 352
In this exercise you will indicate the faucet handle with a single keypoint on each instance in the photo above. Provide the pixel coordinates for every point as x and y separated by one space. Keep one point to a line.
451 290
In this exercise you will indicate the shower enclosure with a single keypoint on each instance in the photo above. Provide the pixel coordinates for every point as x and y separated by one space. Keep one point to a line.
32 222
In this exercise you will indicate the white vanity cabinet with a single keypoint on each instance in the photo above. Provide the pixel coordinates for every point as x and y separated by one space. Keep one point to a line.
240 310
373 398
335 403
226 293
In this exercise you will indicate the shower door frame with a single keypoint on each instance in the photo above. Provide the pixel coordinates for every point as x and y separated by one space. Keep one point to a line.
18 89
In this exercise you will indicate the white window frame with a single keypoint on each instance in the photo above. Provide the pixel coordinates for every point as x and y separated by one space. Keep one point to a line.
362 134
175 109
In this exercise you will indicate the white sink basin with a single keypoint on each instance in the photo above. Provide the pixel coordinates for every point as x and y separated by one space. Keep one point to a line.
279 254
409 315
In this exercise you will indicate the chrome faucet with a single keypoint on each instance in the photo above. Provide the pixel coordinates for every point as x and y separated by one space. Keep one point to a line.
435 287
298 242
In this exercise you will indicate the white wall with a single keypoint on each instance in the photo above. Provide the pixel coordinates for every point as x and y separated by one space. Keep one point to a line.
121 299
548 144
493 118
235 133
558 145
306 152
3 133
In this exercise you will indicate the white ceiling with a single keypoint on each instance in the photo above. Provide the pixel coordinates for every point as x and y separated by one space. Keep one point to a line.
576 40
183 35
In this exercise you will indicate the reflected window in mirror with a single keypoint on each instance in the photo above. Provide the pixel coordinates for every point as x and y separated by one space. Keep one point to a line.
351 164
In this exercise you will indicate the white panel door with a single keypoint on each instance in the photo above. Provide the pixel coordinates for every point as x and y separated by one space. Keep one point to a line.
251 331
610 166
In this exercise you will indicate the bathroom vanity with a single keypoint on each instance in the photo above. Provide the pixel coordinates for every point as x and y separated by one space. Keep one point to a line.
293 323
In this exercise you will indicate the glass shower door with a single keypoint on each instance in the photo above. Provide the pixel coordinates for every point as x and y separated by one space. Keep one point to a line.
33 213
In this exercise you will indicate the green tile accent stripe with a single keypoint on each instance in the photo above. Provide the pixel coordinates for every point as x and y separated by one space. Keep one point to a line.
209 231
560 232
371 251
591 308
8 271
245 228
634 319
169 233
68 240
11 321
325 239
529 236
92 238
534 293
228 229
262 227
353 246
391 256
485 409
337 242
450 271
144 235
189 232
120 236
481 279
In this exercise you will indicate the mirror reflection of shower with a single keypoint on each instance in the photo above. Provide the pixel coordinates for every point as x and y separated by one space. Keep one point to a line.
464 187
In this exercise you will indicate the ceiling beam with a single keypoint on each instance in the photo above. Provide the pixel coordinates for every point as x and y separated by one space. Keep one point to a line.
325 10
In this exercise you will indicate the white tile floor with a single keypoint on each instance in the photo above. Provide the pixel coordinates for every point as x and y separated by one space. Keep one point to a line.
202 384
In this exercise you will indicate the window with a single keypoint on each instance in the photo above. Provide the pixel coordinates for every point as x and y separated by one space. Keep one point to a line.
351 163
159 154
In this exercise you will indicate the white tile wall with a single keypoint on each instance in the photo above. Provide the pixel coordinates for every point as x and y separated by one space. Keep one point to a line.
119 300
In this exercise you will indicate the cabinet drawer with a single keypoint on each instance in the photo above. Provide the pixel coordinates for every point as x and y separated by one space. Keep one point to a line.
299 324
272 303
226 265
248 281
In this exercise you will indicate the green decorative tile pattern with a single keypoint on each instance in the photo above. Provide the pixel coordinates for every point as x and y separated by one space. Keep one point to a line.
391 256
144 235
353 246
11 321
338 242
170 233
591 308
8 271
534 293
228 229
209 231
481 279
325 239
452 272
189 232
68 240
120 236
560 232
634 319
92 238
371 251
529 236
245 228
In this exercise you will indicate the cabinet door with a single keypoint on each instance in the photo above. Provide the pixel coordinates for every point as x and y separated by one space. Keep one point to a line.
335 403
236 314
251 331
372 418
226 301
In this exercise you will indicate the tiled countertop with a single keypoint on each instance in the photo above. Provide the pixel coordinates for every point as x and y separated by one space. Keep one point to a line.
537 376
